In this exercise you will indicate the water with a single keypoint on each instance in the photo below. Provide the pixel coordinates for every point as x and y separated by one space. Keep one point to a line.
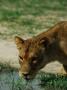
10 80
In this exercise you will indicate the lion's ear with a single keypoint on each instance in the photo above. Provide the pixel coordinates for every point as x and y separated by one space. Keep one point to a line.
44 41
19 42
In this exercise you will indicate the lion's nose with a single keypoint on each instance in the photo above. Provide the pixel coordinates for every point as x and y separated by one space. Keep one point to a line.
26 76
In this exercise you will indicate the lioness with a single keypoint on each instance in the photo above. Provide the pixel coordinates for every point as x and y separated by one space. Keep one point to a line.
36 52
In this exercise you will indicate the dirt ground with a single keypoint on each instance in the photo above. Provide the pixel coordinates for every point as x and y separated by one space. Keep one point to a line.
8 54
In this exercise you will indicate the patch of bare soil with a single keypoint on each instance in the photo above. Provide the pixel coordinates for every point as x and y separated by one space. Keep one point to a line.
8 54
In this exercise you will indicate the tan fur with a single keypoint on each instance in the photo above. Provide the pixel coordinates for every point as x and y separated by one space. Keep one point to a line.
36 52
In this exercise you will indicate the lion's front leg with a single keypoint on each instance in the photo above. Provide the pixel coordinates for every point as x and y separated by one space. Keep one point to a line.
64 70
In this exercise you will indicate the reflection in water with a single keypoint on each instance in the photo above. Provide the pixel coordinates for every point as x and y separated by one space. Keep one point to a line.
29 86
32 85
9 80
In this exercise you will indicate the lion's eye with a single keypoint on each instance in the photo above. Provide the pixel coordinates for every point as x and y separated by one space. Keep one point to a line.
20 57
34 60
20 60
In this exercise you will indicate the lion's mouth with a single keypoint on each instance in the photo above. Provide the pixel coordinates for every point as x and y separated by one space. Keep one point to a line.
26 76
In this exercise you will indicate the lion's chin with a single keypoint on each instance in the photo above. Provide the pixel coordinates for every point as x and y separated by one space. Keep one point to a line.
30 77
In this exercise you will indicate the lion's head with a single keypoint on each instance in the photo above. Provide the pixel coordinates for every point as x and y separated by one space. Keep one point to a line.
31 56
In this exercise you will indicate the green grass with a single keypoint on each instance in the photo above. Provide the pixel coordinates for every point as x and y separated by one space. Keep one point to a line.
29 17
54 82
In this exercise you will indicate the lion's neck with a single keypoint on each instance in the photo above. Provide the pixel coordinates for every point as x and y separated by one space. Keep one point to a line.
54 52
51 33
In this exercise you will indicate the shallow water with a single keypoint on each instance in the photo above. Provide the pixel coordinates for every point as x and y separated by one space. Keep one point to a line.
10 80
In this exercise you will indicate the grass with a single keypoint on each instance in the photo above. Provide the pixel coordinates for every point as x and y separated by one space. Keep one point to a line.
54 82
28 18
